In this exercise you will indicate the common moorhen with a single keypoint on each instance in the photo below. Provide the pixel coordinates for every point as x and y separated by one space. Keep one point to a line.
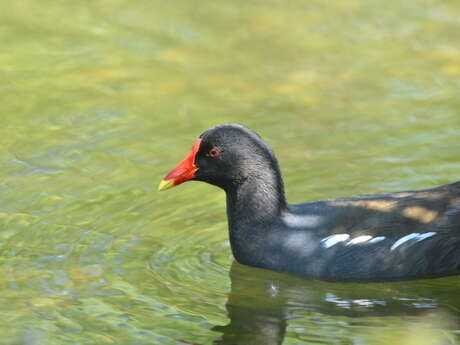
395 236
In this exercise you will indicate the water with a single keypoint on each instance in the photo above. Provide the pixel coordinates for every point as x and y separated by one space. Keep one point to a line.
101 99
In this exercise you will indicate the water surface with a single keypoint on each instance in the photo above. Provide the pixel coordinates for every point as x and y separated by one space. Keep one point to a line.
101 98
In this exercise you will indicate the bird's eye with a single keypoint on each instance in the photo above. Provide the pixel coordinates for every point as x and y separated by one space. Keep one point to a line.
214 152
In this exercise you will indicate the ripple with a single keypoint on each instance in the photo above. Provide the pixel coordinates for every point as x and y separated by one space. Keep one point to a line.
193 270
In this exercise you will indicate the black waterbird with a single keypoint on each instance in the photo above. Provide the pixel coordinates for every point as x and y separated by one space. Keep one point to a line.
390 236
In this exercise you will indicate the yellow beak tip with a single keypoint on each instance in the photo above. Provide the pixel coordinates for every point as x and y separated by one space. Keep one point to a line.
165 184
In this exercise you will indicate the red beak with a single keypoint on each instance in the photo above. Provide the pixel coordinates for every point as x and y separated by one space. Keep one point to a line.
184 171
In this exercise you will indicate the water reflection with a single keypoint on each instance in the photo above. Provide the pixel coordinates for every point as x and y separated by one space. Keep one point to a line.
261 303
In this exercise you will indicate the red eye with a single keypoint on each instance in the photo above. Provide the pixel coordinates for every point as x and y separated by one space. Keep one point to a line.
214 152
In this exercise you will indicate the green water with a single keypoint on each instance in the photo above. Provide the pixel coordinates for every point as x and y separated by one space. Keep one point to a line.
100 99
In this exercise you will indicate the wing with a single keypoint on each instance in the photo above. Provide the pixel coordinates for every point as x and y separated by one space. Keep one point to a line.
392 215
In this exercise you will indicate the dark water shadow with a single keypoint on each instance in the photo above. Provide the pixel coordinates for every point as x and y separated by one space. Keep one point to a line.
262 302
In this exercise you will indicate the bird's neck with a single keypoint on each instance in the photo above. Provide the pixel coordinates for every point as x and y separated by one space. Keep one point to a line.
254 209
256 201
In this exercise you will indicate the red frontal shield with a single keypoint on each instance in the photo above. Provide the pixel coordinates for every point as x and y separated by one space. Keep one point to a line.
184 171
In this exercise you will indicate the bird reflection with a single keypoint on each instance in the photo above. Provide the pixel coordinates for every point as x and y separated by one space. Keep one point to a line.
262 302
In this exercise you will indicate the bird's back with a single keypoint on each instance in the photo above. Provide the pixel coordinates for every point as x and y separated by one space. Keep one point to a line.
379 236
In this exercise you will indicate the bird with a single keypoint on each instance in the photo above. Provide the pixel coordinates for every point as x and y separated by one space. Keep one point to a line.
372 237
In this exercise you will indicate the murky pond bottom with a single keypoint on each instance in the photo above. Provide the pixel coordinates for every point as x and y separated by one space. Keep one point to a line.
101 99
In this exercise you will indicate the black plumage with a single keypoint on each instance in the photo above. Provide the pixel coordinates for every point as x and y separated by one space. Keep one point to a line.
400 235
